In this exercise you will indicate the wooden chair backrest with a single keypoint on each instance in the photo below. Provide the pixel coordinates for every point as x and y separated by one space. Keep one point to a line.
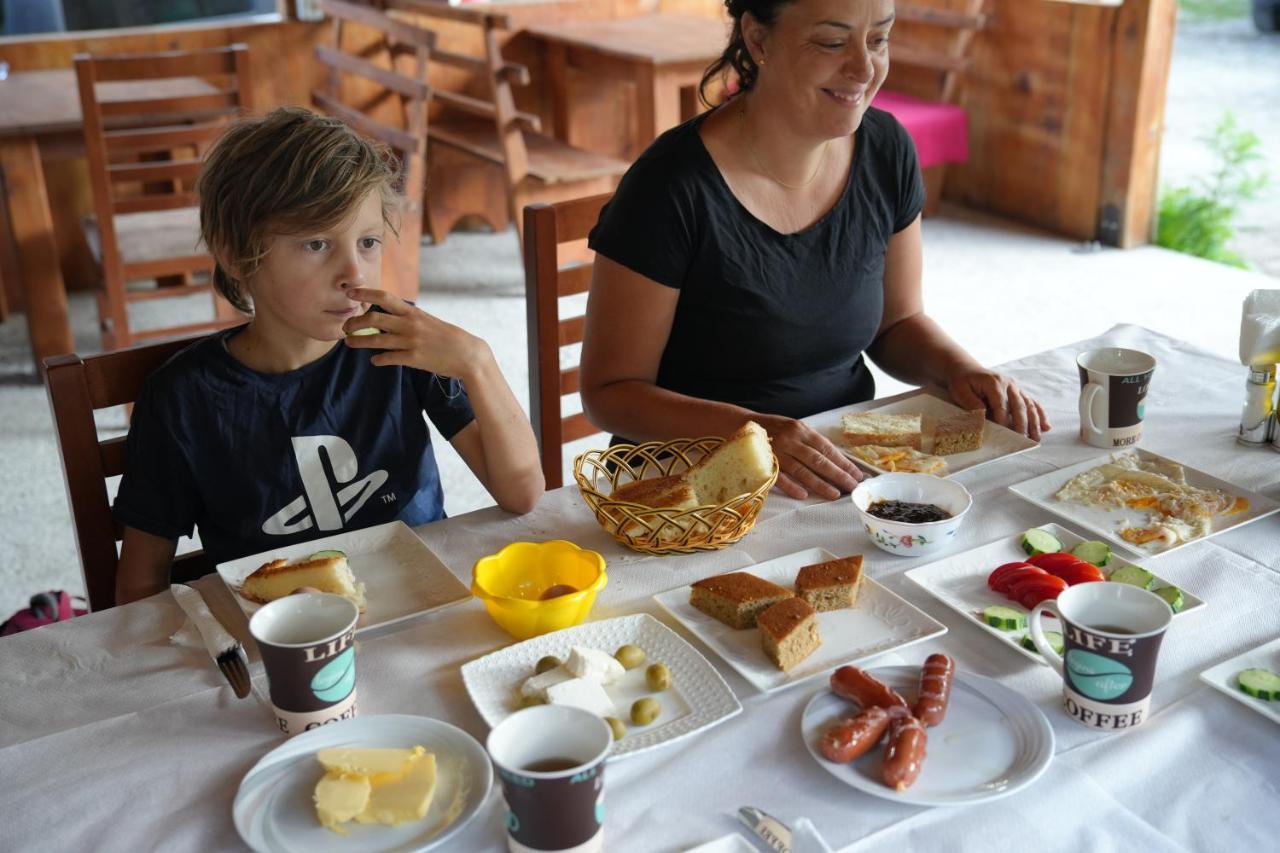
386 101
77 388
493 78
548 227
121 133
932 39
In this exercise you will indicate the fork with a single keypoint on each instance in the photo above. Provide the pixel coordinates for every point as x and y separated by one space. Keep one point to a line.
232 665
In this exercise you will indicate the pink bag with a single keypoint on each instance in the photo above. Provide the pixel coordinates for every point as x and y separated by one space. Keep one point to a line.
46 607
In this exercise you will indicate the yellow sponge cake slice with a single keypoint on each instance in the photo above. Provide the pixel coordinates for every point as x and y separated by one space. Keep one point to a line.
742 464
327 573
884 430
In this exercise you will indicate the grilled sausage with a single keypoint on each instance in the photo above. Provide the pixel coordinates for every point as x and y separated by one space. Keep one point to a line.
904 753
866 691
853 737
935 689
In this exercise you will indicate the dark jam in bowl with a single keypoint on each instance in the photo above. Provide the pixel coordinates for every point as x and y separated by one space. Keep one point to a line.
912 513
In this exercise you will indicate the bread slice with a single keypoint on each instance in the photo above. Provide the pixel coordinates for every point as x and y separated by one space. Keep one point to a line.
279 578
736 598
885 430
959 432
832 585
900 459
671 492
742 464
789 632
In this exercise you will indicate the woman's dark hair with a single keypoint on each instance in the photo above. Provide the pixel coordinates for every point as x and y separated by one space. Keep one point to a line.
736 56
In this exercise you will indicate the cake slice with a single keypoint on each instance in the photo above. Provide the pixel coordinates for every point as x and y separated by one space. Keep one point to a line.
742 464
326 571
885 430
737 598
832 585
789 632
959 432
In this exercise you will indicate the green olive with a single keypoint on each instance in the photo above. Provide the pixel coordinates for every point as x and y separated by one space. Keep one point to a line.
629 656
658 677
546 663
530 701
619 727
645 711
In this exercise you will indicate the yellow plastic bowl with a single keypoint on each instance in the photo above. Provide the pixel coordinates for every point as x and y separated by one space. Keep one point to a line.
511 584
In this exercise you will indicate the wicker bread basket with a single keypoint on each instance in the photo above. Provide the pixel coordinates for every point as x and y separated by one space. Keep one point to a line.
657 530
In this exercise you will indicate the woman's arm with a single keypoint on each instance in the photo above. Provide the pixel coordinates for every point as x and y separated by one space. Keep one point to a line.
628 323
145 560
913 348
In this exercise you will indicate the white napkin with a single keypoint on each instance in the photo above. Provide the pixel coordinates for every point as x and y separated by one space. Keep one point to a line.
1260 328
208 631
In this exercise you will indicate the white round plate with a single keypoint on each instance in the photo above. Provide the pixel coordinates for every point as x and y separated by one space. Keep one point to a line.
274 810
992 742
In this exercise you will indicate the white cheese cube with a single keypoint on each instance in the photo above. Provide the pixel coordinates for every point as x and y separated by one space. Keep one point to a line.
592 663
537 685
584 693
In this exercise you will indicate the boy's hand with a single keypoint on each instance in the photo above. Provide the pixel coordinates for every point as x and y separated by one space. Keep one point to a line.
410 336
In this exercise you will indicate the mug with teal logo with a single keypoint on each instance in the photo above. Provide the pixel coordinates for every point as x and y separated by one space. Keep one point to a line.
1113 395
307 642
1111 635
550 761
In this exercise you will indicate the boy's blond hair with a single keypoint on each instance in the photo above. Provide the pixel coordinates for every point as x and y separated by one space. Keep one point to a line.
287 172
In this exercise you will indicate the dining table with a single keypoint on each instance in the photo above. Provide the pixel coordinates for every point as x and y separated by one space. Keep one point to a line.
41 121
113 737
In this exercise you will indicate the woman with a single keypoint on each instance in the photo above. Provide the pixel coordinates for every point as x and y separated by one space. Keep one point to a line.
752 255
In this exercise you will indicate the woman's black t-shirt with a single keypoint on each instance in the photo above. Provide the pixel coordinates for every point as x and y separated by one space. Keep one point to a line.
773 322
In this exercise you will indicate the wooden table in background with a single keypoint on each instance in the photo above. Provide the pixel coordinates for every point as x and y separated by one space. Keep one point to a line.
40 117
659 54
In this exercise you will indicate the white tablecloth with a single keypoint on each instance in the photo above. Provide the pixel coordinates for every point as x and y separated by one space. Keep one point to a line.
112 738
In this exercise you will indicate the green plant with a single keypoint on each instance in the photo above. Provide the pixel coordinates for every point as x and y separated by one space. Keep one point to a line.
1198 220
1215 10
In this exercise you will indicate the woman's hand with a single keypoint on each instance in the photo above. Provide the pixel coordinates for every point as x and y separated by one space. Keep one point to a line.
1006 403
410 336
807 461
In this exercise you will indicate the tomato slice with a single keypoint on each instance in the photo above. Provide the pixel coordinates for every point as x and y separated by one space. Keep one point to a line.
1013 576
1050 562
993 580
1083 573
1032 591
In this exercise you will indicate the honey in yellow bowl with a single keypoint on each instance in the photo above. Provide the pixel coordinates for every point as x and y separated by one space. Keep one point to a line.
532 588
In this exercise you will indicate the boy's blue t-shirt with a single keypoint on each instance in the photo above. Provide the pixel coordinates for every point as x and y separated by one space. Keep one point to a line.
259 461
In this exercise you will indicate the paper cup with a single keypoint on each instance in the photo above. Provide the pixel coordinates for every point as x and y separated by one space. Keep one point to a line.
550 760
307 642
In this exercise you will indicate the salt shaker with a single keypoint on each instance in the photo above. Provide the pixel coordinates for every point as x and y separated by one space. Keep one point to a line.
1257 420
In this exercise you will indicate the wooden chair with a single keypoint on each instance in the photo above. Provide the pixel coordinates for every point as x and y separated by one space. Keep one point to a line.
144 156
384 96
485 157
553 270
929 55
77 388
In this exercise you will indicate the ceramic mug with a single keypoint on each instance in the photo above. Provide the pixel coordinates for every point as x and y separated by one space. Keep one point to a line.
307 642
1113 394
550 761
1111 635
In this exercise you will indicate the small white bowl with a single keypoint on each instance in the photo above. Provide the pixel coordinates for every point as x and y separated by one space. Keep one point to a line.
903 538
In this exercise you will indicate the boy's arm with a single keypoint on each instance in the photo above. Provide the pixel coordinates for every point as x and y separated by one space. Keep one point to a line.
145 560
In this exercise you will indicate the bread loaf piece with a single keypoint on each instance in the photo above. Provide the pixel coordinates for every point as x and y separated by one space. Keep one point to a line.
736 598
832 585
885 430
789 632
959 432
739 466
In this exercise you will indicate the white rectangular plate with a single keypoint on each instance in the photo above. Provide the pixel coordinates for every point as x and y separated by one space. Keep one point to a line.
697 699
880 622
1106 522
1223 676
997 441
960 582
402 577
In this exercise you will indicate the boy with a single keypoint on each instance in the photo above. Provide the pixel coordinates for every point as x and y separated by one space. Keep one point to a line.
302 423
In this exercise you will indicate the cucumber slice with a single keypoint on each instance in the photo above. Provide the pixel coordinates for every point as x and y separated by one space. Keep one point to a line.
1098 553
1004 618
324 555
1134 576
1173 595
1037 541
1260 683
1054 638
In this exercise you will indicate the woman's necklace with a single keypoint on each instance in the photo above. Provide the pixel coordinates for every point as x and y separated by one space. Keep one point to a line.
742 113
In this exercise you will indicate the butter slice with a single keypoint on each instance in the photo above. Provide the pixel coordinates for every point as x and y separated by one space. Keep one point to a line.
379 765
389 786
404 800
339 799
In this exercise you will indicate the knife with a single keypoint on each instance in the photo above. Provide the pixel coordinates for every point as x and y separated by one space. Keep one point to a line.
225 649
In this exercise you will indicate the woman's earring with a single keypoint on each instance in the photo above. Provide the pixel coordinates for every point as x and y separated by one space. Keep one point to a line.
760 61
